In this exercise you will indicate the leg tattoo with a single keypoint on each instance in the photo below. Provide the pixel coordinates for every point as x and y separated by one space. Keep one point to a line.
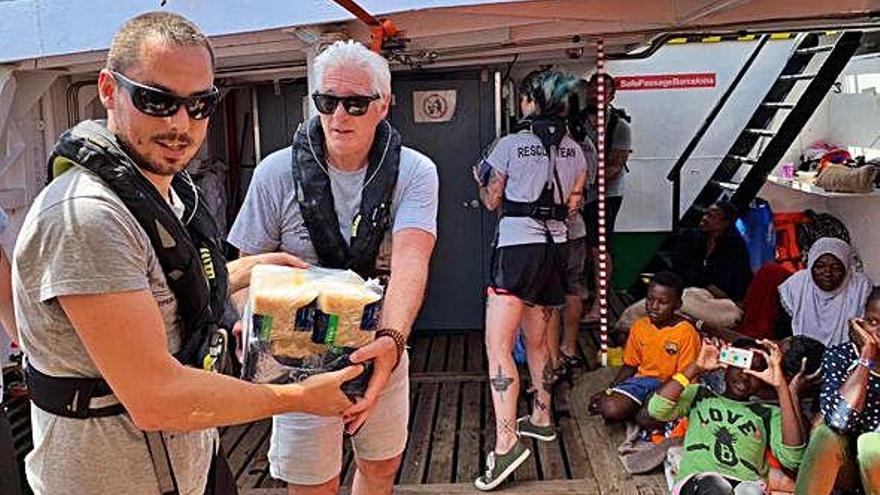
508 427
549 376
500 382
540 406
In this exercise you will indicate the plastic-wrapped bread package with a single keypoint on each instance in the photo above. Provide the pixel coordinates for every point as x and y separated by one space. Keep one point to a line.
298 323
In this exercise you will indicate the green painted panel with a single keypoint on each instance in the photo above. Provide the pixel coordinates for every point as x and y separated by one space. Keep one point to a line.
632 251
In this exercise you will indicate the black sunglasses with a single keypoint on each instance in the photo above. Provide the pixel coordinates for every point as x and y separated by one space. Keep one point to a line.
160 103
354 105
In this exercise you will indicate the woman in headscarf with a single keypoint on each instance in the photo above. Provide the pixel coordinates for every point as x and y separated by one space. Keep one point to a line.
823 298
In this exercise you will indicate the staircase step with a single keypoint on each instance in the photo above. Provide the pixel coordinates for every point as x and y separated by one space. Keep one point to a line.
743 159
797 77
778 105
761 132
814 49
726 186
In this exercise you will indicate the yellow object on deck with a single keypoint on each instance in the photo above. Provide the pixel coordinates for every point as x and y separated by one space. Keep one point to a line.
615 356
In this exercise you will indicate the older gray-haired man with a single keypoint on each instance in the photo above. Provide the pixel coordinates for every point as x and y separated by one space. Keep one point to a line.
346 194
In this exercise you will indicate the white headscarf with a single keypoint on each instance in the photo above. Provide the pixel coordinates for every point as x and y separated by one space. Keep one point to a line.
823 315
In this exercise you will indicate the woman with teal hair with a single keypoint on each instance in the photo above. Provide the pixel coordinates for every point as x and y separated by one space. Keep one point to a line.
536 177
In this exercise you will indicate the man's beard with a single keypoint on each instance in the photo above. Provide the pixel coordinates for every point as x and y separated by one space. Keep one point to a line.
146 164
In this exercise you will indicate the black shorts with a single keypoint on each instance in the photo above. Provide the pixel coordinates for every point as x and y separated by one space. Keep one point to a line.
534 273
591 217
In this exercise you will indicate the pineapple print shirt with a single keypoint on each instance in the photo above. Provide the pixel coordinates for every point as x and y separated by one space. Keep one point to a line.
726 436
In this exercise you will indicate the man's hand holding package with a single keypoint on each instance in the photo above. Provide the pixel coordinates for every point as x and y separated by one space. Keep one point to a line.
321 393
240 269
383 353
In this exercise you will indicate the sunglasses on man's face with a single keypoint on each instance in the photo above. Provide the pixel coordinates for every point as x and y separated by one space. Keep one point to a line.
160 103
355 106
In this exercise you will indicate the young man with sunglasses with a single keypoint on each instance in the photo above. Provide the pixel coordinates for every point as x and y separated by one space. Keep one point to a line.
345 195
118 279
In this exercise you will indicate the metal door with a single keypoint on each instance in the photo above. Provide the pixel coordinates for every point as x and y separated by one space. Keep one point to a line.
455 296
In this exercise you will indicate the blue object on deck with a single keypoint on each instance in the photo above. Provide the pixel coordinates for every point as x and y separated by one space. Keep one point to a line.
519 350
756 228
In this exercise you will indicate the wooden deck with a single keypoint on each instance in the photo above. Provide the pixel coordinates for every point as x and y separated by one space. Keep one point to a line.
452 427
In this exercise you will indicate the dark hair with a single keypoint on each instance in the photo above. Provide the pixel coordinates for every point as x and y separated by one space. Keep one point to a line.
608 79
873 296
671 280
173 29
799 347
729 209
549 89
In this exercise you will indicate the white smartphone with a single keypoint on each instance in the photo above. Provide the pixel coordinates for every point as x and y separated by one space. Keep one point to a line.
734 356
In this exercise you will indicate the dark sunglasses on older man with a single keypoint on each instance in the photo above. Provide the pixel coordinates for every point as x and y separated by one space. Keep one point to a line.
161 103
355 106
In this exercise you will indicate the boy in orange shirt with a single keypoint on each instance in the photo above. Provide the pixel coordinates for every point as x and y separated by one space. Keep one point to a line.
659 346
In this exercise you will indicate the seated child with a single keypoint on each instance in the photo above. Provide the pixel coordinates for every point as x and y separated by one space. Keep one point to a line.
725 447
845 446
659 345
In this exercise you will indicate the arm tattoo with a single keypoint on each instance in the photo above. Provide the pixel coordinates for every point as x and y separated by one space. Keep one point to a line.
491 194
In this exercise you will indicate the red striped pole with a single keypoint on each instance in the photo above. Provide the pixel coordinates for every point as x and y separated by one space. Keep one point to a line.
603 239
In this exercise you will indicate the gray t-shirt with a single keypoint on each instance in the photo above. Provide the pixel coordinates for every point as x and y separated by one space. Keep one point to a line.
270 219
523 160
577 228
622 142
79 238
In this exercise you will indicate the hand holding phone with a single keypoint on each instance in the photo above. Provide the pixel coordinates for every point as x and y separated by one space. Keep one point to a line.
734 356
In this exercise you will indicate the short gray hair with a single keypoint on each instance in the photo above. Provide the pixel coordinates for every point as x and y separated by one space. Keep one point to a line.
173 29
353 55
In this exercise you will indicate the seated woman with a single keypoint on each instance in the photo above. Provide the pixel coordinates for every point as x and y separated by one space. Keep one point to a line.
846 445
819 302
714 256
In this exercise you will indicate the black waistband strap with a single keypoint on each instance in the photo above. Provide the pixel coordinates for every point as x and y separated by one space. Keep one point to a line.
533 210
161 463
70 397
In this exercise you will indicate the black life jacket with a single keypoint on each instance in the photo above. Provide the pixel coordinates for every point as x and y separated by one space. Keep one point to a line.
316 204
189 250
190 253
550 131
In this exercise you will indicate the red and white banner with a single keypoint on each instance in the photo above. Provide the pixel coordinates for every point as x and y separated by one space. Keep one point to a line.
665 81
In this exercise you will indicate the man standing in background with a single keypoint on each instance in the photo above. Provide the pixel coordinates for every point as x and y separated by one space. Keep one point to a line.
618 146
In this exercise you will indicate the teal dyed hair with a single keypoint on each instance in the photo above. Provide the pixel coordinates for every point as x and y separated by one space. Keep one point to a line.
549 89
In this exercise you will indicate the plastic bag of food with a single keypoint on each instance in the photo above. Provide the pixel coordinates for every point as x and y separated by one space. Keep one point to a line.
298 323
